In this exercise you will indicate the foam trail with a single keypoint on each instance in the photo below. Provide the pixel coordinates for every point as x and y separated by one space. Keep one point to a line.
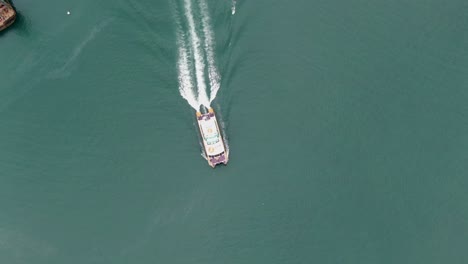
233 7
185 78
208 32
197 54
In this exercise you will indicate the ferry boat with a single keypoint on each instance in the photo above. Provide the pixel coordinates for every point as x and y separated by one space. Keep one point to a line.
7 14
213 143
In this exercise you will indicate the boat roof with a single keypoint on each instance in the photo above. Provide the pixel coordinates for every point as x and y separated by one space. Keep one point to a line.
209 128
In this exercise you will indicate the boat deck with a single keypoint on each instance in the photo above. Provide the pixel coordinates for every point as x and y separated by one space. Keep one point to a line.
213 142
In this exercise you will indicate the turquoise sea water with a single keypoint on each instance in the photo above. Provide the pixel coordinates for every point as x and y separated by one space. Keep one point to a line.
346 120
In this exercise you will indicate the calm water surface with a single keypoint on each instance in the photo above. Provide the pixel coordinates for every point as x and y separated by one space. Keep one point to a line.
347 126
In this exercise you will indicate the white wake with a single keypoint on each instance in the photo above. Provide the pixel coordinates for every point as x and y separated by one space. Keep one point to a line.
208 33
196 55
186 86
185 80
233 7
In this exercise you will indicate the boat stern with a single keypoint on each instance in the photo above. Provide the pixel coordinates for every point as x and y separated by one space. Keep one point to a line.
218 159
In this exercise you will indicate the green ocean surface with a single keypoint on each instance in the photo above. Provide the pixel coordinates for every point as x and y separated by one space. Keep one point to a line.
347 125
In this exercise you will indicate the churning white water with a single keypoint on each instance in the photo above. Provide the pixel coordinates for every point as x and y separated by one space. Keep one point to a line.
195 40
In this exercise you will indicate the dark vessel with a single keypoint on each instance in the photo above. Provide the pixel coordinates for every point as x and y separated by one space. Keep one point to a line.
7 14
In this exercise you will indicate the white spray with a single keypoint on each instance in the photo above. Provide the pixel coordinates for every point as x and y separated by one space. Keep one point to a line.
233 7
185 77
185 80
197 54
199 50
208 32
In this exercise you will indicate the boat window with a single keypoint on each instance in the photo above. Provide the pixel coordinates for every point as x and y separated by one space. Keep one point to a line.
219 155
212 142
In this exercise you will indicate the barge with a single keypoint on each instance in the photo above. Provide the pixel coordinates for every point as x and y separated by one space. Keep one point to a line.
7 14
